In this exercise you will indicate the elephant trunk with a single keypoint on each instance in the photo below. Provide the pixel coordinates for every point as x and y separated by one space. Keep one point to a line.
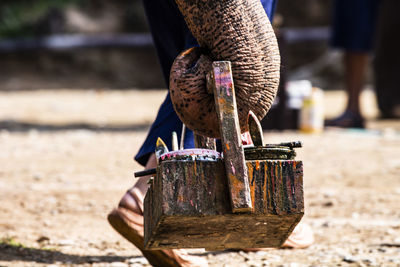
231 30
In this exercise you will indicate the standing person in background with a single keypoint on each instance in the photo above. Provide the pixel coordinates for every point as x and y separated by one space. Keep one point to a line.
353 31
171 36
387 59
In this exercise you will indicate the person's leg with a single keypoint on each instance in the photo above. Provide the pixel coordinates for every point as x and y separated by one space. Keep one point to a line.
355 64
127 219
353 31
386 60
141 186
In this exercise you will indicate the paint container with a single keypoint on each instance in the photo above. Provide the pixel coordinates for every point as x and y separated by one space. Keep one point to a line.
312 112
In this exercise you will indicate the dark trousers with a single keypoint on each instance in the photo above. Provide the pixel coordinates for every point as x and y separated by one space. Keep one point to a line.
354 23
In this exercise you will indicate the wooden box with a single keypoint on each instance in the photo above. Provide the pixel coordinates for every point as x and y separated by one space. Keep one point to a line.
190 205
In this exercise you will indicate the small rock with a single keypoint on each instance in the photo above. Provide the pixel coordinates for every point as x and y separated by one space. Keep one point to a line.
350 259
46 223
252 263
327 204
245 255
325 224
368 261
37 176
109 251
42 239
66 242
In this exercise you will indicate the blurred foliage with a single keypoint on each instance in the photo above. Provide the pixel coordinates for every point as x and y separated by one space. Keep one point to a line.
21 18
27 18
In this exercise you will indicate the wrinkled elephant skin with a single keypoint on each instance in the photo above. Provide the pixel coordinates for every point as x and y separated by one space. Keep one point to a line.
238 31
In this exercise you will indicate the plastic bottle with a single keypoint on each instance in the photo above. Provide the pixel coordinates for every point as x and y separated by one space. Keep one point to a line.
312 112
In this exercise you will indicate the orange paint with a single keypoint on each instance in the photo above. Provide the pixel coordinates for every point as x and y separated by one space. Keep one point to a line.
181 198
227 146
257 165
236 185
187 52
252 186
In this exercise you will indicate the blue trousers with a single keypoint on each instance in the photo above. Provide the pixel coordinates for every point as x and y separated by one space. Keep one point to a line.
171 36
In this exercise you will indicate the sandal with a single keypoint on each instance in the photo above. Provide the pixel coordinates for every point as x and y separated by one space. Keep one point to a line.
129 223
348 119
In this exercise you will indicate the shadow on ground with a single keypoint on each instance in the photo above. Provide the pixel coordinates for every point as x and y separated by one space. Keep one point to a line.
47 256
19 253
22 126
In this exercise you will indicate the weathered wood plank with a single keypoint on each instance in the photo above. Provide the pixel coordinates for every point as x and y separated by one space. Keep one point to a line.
225 101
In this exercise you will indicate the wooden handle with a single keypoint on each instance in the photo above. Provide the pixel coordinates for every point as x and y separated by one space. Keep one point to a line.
235 168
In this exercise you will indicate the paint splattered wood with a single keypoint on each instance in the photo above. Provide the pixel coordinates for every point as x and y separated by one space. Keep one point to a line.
204 142
187 205
225 102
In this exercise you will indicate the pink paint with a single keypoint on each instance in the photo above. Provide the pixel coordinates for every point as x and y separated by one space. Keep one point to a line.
227 91
246 138
233 169
191 203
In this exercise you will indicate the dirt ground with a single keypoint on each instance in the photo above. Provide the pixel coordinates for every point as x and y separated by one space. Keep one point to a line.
66 159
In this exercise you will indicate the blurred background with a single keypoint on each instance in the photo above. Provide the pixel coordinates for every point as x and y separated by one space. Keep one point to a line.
106 44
